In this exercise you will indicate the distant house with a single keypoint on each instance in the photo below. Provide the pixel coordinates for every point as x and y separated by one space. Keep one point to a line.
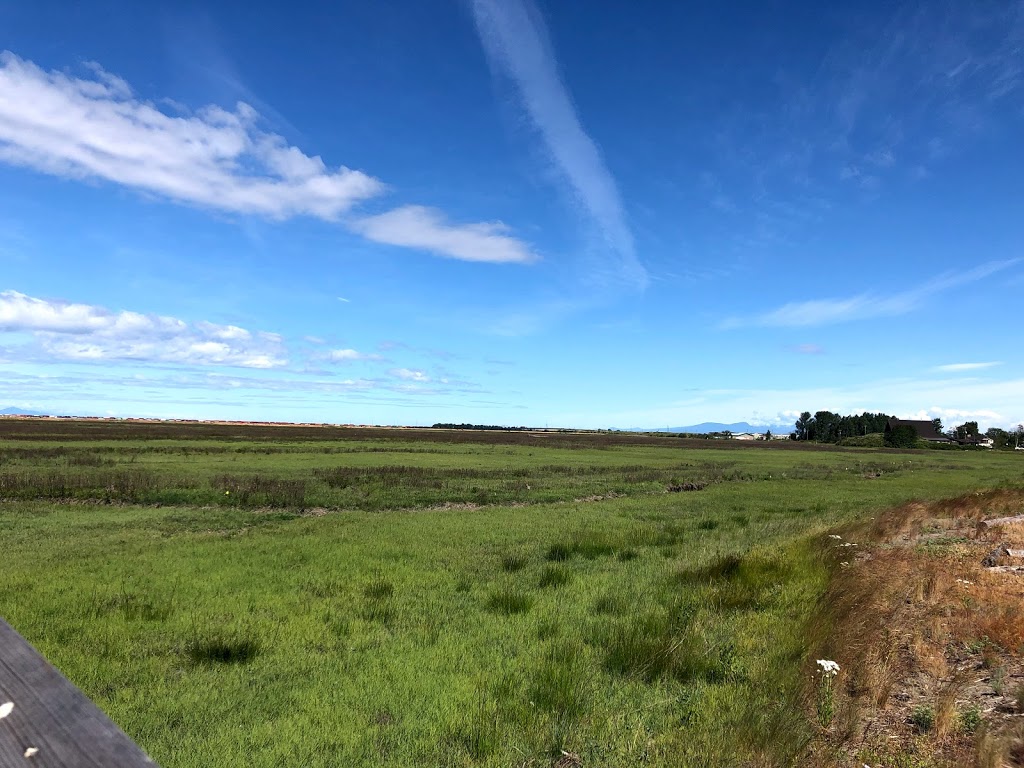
746 436
978 441
925 430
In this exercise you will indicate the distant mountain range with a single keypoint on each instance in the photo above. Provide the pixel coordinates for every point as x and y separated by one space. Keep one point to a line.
19 412
714 426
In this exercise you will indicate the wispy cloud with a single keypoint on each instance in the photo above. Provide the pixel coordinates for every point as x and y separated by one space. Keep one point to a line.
894 96
85 332
516 42
95 127
408 374
961 367
351 356
414 226
866 305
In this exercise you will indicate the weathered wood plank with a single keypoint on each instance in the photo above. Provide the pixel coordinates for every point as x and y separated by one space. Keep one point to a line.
52 723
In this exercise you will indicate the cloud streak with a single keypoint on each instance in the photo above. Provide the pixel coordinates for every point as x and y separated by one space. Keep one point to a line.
96 128
961 367
90 333
866 305
516 43
414 226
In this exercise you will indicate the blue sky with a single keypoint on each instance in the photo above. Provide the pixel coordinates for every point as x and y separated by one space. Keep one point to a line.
585 214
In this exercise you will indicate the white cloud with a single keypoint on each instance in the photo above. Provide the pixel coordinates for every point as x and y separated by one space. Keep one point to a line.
949 414
865 306
409 374
95 127
87 332
515 40
350 355
414 226
958 367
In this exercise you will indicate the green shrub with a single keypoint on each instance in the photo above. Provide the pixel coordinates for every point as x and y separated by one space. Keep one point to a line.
923 717
901 436
970 719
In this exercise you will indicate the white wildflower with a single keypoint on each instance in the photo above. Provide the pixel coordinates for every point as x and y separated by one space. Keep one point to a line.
828 667
6 709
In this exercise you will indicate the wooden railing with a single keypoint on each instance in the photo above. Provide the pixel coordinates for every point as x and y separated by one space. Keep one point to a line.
47 721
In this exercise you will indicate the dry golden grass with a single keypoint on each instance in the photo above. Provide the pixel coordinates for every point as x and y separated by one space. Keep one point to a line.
926 637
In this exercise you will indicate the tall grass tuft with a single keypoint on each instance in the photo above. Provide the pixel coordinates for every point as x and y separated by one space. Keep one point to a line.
223 649
379 589
560 683
650 646
513 563
553 576
559 553
509 602
378 605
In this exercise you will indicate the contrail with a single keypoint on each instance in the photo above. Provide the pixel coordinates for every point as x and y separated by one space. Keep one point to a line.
515 40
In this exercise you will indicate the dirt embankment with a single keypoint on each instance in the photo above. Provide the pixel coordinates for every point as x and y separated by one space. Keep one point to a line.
925 617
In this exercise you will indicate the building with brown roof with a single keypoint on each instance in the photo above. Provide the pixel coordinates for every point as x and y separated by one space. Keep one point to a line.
925 430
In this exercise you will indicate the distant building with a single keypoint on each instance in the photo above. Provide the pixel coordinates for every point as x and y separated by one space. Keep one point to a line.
978 441
925 430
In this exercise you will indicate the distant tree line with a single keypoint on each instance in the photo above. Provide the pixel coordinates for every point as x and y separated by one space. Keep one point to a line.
480 427
828 427
1002 438
969 432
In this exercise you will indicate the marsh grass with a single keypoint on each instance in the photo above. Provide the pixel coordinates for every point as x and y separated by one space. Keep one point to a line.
646 627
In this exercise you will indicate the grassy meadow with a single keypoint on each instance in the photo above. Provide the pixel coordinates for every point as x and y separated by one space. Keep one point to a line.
298 596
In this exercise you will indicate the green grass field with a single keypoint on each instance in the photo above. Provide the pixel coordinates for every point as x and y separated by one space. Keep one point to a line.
258 597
